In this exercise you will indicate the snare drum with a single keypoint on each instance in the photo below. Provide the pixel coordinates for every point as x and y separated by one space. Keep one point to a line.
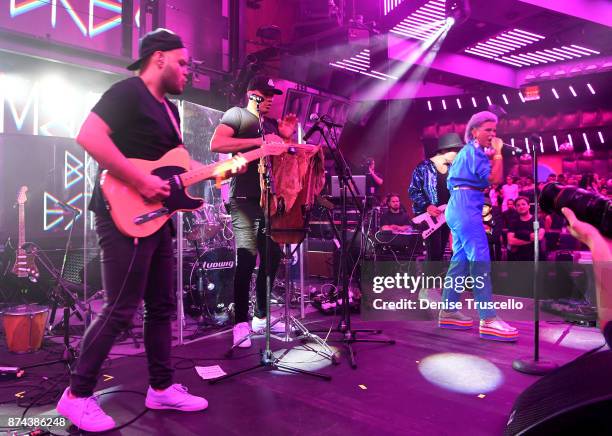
24 327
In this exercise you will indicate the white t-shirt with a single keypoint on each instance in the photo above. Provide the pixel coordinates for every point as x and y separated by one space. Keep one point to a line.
509 192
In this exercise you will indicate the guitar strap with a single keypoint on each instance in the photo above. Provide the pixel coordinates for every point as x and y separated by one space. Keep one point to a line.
173 120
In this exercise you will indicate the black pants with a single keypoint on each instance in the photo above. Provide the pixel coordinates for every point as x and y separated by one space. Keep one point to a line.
248 222
436 243
131 273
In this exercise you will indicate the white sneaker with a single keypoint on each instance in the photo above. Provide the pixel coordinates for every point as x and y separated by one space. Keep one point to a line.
242 330
259 325
84 412
175 397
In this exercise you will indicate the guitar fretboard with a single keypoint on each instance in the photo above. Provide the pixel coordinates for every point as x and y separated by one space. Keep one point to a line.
20 250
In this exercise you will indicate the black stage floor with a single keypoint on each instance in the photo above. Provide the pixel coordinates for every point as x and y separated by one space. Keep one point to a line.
431 381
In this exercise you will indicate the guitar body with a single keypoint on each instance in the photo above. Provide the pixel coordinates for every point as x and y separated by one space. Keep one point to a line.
131 214
428 223
25 266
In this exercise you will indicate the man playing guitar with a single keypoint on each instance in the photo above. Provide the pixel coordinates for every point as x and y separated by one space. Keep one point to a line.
238 132
428 191
133 119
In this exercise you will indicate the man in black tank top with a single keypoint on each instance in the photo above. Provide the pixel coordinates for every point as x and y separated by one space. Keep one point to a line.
133 119
239 132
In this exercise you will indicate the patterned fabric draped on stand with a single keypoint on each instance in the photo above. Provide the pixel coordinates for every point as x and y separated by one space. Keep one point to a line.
298 178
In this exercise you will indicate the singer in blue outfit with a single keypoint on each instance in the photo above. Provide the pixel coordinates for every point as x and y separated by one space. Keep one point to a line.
469 175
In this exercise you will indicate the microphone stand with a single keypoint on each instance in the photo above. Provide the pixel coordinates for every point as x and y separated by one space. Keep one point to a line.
345 180
529 365
268 360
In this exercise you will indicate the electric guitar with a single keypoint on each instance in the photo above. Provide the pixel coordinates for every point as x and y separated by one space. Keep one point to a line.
430 223
25 265
137 218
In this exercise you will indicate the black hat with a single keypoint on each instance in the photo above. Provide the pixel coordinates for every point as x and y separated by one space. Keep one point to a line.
448 142
263 84
156 40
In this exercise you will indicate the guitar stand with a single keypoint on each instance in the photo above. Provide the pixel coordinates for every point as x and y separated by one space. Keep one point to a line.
69 355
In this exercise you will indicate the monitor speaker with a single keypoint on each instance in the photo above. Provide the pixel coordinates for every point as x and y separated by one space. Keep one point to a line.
574 399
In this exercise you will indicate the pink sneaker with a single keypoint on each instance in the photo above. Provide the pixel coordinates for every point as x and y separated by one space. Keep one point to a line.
84 412
240 332
175 397
454 320
496 329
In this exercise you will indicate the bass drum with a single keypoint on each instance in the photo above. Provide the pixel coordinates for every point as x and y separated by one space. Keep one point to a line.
211 284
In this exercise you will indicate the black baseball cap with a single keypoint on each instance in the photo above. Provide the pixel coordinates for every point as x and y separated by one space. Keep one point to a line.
449 141
156 40
263 84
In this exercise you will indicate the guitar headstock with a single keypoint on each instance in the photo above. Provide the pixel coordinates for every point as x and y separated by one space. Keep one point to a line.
21 195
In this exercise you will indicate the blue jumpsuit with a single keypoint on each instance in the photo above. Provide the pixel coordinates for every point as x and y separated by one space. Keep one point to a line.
463 214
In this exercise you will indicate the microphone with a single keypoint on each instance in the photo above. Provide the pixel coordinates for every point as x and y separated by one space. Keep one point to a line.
324 119
513 148
314 128
68 207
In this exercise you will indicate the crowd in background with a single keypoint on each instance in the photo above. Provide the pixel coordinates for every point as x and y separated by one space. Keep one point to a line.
511 232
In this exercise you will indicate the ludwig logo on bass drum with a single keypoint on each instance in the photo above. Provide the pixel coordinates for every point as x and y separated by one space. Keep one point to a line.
218 265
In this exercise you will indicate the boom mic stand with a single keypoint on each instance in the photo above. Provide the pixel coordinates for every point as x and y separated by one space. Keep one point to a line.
268 360
345 180
528 365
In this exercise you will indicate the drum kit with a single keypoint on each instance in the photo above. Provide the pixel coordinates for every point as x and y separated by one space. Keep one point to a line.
210 261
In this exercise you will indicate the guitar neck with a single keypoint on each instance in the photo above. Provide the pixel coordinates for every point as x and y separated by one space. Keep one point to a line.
219 168
21 227
210 171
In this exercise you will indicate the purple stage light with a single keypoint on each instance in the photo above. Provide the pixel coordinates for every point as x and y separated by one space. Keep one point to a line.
421 24
463 373
586 141
554 91
429 105
601 138
591 88
459 104
444 104
474 102
527 145
505 98
571 88
489 100
521 96
556 142
569 138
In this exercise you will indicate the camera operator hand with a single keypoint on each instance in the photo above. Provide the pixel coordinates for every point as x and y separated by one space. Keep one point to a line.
600 247
601 250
